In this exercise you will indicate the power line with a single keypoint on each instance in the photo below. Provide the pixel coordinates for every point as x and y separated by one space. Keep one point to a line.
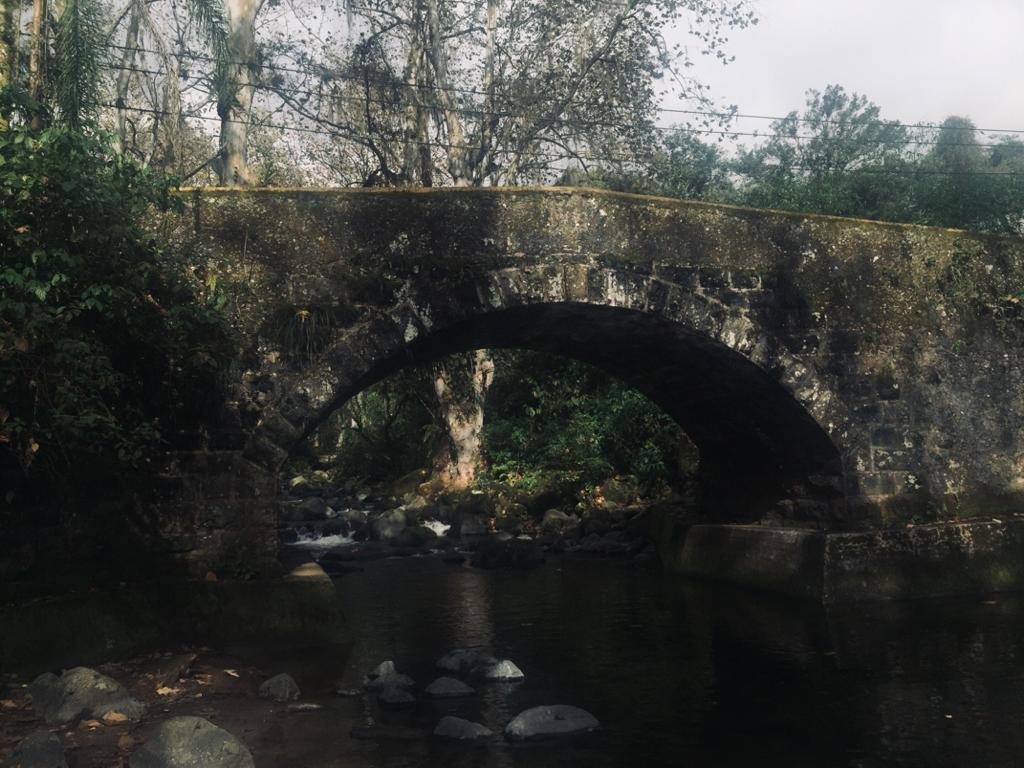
666 129
327 75
568 154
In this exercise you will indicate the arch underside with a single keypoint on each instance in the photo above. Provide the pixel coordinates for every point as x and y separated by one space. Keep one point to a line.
758 444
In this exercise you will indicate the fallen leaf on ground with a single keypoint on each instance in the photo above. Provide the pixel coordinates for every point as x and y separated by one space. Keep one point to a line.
92 725
231 672
9 704
165 691
113 718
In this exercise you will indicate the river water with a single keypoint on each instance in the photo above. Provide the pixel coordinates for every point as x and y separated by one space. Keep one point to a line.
683 673
679 673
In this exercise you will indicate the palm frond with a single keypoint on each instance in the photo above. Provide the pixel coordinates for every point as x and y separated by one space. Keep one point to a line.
212 20
79 39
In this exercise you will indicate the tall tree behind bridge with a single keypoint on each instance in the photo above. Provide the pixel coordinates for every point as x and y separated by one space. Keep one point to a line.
422 92
490 92
484 92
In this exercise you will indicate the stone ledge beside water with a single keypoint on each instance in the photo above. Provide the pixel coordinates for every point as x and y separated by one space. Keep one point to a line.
923 561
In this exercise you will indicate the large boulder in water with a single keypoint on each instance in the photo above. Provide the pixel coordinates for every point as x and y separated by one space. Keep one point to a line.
552 721
388 525
80 692
314 508
191 742
462 660
306 572
499 671
280 688
385 676
457 729
41 749
448 688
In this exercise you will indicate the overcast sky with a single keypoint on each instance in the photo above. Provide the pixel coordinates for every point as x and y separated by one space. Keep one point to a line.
919 60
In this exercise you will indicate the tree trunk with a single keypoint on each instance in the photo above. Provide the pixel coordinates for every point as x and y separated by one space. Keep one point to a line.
131 42
416 166
234 102
480 164
461 385
458 165
37 59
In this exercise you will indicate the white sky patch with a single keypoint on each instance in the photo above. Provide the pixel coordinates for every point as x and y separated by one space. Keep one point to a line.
919 60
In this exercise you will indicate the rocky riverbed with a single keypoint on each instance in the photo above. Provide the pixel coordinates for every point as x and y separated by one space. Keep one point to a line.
339 529
203 709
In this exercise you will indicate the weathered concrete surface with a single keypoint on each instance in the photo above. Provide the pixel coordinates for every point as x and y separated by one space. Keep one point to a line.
835 374
933 560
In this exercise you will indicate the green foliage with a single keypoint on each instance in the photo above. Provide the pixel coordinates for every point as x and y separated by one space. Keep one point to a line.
79 40
966 185
555 421
837 157
103 348
387 430
550 423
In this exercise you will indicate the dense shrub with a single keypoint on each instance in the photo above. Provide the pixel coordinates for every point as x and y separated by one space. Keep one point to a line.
105 352
552 422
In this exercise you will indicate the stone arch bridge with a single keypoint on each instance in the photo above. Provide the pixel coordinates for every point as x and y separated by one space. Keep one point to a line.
836 374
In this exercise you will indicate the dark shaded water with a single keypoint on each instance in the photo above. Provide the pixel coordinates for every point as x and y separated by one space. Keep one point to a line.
696 674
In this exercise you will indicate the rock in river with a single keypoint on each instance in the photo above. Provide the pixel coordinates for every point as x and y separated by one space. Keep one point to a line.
457 729
41 749
551 721
448 688
388 525
80 692
280 688
191 742
395 697
462 660
501 670
386 676
393 680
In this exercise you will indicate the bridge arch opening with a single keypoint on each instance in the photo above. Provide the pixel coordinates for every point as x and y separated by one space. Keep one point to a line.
762 454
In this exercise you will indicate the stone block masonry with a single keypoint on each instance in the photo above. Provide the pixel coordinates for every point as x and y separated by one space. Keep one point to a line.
837 375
